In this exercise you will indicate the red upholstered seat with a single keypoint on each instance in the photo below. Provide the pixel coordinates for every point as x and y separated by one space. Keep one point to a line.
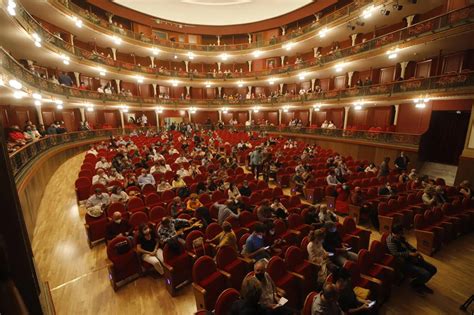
95 229
308 303
228 261
286 281
208 282
295 261
178 266
369 268
225 300
379 254
350 227
124 263
135 204
198 250
138 218
212 230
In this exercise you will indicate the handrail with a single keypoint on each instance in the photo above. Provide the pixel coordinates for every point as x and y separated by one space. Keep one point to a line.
305 30
445 82
19 159
436 24
382 137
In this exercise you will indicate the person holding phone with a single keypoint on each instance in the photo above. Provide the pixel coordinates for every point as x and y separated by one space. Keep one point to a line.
318 256
349 302
333 244
255 246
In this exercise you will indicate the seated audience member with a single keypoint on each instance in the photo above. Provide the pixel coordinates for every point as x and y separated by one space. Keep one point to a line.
349 302
224 211
331 179
264 212
401 162
325 303
131 181
226 238
465 189
249 304
193 203
279 210
326 215
413 175
96 203
163 186
371 168
384 168
245 189
148 247
176 206
181 159
269 298
145 179
102 163
203 215
160 167
318 256
255 245
333 244
411 262
114 175
298 182
180 185
118 227
403 178
100 178
182 172
311 217
171 230
387 190
441 195
15 135
233 192
92 151
429 197
118 195
358 199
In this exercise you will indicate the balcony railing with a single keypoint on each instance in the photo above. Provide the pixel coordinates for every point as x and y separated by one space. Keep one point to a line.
29 152
324 21
434 25
443 83
379 137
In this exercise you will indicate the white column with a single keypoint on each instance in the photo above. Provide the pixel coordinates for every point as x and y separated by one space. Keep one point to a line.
117 81
220 115
157 115
122 122
409 20
219 91
250 38
279 117
83 114
154 88
219 66
349 78
152 59
250 114
186 64
250 65
78 78
315 51
282 60
72 43
403 66
395 118
218 40
188 90
313 82
249 89
281 88
114 53
190 116
283 30
310 116
346 115
40 115
354 38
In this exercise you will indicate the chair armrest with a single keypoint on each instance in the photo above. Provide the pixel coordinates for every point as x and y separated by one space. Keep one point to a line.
424 233
168 267
301 277
294 232
247 260
371 279
225 273
280 291
193 256
385 267
198 288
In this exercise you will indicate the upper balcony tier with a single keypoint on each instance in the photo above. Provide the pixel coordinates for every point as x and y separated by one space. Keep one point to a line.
443 86
89 62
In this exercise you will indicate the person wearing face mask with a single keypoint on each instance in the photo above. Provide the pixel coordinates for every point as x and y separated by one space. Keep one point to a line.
326 215
147 247
318 256
102 164
118 195
100 177
225 238
118 227
245 190
333 244
255 244
269 298
401 162
387 190
96 203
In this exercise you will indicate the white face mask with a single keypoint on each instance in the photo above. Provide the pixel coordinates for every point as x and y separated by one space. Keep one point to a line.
259 236
272 232
118 221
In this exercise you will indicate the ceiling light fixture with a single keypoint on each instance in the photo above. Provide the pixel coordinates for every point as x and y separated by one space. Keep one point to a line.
58 102
193 110
191 55
139 78
37 103
102 71
77 21
159 110
174 83
339 67
124 108
208 84
302 76
117 40
59 106
224 56
271 81
240 84
11 7
65 59
155 51
358 105
285 108
37 39
19 94
317 107
175 56
288 46
90 107
256 109
15 84
367 13
257 53
421 102
225 110
37 96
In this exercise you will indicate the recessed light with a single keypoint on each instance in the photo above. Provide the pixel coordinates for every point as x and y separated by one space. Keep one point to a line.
15 84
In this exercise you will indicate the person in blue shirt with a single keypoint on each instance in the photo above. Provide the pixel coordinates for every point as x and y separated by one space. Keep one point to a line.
255 244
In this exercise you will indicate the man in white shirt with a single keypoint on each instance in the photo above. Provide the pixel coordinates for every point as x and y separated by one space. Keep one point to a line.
93 151
102 164
145 179
325 124
181 159
96 203
182 172
100 178
173 151
331 179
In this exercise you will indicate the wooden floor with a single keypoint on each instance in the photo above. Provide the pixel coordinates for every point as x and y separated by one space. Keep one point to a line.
79 282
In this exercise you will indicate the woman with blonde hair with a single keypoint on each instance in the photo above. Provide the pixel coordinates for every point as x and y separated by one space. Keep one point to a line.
318 256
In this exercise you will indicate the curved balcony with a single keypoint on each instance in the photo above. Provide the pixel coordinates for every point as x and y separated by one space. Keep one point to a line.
444 84
327 20
405 36
27 154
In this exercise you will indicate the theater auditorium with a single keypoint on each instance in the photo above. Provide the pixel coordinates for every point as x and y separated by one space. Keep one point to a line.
237 157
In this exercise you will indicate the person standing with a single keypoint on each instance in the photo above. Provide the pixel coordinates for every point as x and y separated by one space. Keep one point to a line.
384 168
256 160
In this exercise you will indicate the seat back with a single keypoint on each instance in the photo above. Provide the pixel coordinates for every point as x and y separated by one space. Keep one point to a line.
115 207
276 268
225 255
225 300
138 218
364 261
202 268
294 257
308 303
213 230
157 213
152 199
349 225
135 204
